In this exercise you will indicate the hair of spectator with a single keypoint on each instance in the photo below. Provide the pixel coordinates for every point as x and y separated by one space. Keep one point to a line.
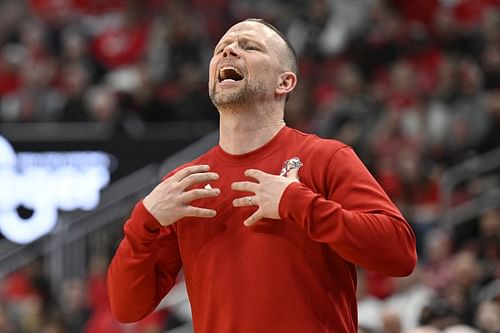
292 55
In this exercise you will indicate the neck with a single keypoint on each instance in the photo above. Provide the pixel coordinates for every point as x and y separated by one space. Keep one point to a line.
244 130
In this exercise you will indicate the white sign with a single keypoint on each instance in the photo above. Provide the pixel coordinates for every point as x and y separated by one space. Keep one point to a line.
45 182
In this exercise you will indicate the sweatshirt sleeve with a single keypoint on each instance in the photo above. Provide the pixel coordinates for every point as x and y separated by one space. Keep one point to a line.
357 219
144 267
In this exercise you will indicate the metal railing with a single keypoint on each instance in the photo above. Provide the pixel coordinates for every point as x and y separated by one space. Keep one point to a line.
65 250
485 164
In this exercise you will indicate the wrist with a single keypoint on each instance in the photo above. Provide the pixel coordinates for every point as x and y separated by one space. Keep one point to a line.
143 223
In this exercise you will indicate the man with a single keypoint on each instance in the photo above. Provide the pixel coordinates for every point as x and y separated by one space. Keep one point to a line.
269 224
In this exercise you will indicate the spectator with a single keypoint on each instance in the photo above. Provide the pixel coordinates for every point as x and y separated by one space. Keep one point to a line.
11 58
76 80
490 138
74 306
488 317
437 273
440 314
391 321
460 293
413 86
126 42
102 104
6 324
351 116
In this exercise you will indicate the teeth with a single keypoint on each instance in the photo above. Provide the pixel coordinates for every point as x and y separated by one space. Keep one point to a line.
226 73
231 68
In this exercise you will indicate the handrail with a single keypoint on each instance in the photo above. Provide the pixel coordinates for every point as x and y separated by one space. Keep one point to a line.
460 173
72 228
15 256
474 207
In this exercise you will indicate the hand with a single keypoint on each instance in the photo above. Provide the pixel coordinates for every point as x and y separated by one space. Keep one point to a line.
169 201
268 191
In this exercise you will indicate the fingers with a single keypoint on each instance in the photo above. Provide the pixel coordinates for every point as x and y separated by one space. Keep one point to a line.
196 178
199 212
245 186
197 174
256 174
253 218
183 173
249 201
199 194
245 201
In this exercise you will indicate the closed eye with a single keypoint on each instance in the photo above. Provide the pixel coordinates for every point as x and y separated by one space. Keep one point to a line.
250 48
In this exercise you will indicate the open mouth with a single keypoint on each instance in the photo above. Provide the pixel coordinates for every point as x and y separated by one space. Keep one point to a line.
230 74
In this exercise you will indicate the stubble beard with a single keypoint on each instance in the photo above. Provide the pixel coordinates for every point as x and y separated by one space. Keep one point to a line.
238 97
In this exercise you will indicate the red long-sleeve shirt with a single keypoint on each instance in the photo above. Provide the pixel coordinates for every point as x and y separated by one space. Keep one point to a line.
296 274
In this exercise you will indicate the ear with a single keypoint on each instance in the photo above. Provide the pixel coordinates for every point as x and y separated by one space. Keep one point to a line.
287 81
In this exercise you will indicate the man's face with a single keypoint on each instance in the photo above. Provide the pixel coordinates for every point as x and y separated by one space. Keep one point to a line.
245 66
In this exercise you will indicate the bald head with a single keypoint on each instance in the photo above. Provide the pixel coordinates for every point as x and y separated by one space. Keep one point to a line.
287 52
254 63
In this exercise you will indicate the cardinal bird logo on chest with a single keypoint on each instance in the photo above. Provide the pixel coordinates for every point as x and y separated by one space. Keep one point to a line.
291 164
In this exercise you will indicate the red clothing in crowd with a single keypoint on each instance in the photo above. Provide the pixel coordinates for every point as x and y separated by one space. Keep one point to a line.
54 8
9 80
102 319
121 46
296 274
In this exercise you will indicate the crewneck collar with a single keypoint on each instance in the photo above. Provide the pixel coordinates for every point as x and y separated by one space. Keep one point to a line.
255 155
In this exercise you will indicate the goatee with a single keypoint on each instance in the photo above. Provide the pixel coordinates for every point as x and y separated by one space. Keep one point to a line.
238 97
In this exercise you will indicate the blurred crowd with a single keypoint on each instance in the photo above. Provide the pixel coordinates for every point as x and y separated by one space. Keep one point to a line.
413 86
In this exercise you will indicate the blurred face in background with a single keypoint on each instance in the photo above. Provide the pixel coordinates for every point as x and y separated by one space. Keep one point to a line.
488 317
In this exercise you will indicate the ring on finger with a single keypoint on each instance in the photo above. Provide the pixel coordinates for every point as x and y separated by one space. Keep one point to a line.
250 202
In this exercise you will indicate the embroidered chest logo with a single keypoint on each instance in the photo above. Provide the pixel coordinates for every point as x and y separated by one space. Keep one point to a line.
291 164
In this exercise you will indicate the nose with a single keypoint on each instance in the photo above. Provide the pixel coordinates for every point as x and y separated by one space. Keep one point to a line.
230 50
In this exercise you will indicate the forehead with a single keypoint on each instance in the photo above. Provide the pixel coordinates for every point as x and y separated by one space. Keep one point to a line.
251 30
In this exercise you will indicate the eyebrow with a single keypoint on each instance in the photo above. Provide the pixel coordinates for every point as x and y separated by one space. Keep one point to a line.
240 39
